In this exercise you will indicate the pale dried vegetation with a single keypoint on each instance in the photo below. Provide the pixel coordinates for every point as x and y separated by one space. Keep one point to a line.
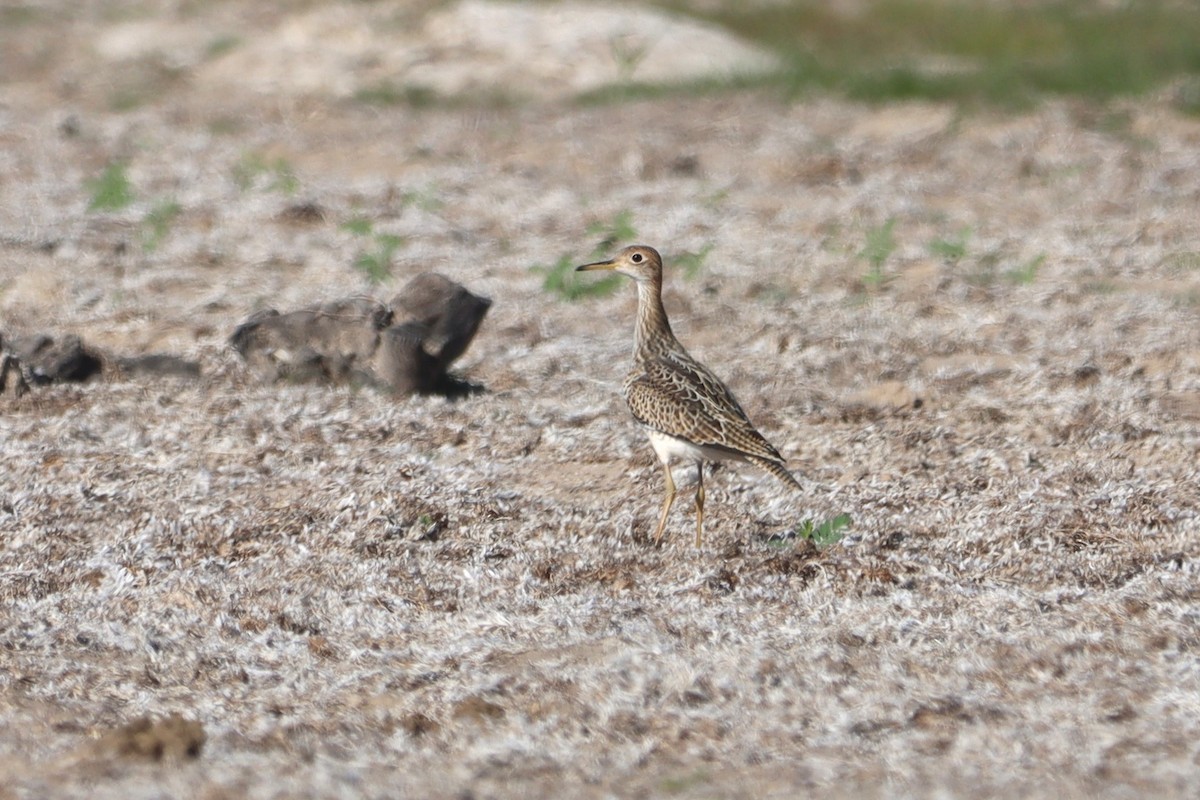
359 596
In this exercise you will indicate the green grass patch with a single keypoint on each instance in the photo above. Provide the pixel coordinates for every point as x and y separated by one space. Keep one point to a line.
111 190
1001 53
691 263
686 782
375 259
639 90
426 198
952 248
560 277
1026 273
360 226
157 223
823 534
618 229
387 94
879 246
220 45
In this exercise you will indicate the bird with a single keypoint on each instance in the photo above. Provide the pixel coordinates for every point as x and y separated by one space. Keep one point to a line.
685 409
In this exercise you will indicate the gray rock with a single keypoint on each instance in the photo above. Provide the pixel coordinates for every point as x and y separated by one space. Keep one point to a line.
406 346
40 359
44 359
330 343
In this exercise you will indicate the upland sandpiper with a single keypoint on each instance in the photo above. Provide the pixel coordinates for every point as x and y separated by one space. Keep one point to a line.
686 410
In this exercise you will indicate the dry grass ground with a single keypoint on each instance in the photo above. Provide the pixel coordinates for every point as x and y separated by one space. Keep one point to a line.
355 596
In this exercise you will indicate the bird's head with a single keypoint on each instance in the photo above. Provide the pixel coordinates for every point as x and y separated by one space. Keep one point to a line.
639 262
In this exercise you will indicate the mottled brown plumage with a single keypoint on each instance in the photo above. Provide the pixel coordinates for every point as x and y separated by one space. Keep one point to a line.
686 410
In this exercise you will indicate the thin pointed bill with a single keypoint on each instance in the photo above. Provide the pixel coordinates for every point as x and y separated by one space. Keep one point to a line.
595 265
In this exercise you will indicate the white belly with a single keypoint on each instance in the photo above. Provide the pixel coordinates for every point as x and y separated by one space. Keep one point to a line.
668 447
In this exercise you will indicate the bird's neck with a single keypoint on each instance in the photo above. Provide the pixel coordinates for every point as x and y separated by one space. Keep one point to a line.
653 334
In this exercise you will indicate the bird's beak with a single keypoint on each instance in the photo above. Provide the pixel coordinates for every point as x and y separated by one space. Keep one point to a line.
595 265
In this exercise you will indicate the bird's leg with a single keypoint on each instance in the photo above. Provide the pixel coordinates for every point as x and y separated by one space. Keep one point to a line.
668 499
699 502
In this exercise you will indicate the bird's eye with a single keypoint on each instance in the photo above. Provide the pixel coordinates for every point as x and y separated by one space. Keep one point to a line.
636 258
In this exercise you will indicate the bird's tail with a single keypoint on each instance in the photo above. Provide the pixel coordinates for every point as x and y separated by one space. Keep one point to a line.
777 469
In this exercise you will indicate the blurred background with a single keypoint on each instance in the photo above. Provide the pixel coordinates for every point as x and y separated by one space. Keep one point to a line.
170 167
156 129
117 56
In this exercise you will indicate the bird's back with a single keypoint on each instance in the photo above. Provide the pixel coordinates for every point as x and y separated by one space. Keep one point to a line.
672 393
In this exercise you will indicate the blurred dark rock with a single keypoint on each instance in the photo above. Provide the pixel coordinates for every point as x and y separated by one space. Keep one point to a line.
330 343
40 359
406 346
44 359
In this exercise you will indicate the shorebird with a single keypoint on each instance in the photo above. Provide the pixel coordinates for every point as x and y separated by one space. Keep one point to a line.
686 410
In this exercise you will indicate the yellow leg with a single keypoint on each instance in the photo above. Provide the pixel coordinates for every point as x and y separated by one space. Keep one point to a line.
668 499
699 502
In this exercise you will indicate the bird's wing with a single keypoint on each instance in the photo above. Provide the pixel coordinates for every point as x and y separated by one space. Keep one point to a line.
683 398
